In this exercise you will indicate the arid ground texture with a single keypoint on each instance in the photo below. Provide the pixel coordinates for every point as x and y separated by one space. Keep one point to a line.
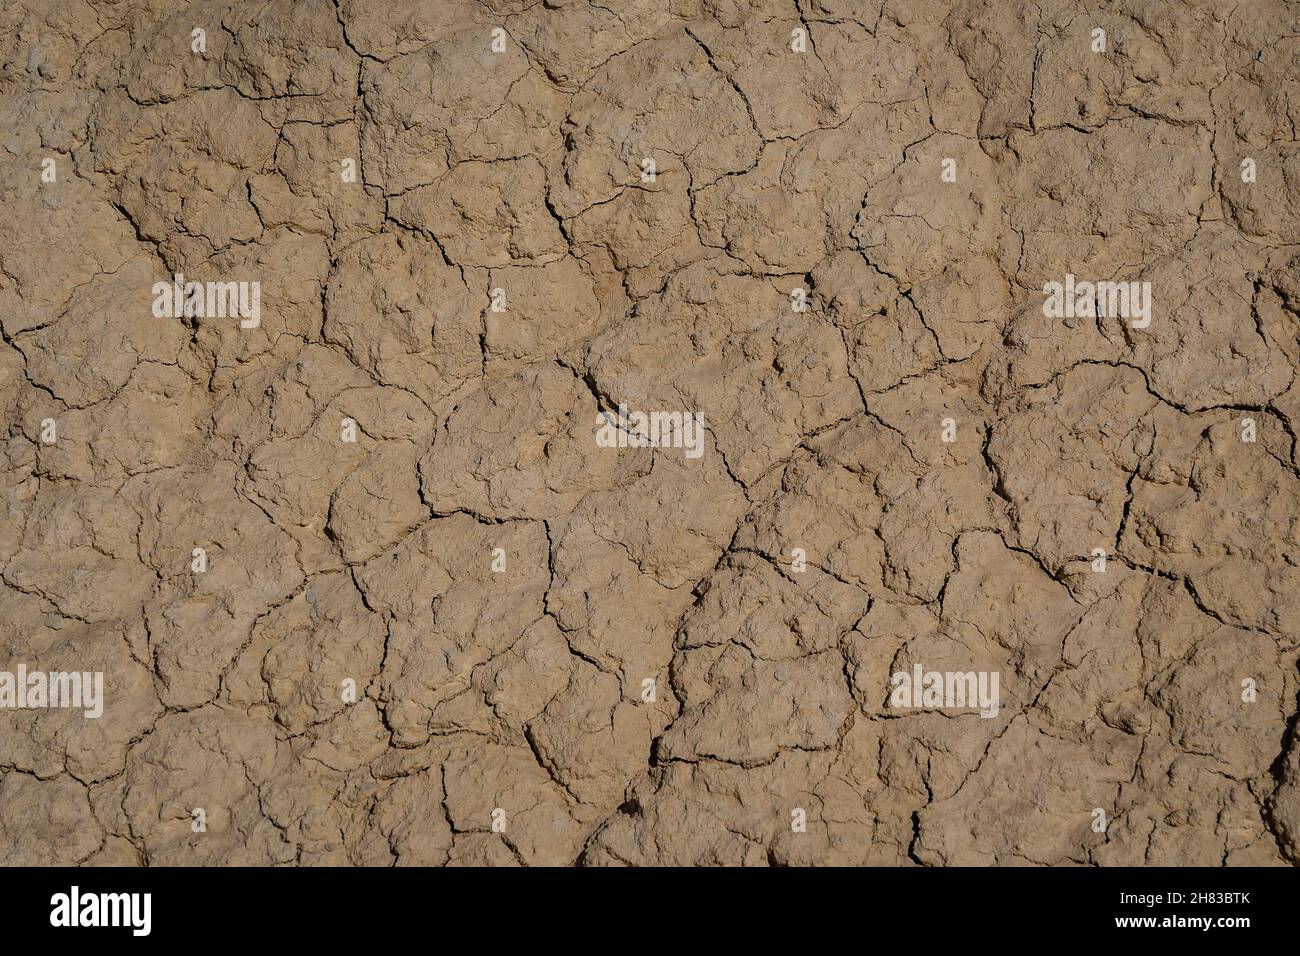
649 432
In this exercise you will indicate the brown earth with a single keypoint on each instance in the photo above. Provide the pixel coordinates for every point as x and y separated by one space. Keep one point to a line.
827 535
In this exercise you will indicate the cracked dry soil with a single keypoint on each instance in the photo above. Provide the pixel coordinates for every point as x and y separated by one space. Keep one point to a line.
946 458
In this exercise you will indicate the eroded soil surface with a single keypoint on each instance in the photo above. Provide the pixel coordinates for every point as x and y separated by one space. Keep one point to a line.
569 653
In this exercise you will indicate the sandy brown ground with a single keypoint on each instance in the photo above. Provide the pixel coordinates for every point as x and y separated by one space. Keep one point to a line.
502 716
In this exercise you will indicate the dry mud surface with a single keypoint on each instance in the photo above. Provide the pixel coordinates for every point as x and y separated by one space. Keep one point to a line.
392 476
